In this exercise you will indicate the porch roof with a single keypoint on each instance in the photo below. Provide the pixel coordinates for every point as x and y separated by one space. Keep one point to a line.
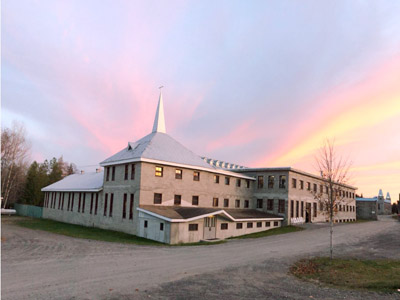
187 214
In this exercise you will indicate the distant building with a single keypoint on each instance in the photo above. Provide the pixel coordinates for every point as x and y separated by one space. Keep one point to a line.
158 189
370 208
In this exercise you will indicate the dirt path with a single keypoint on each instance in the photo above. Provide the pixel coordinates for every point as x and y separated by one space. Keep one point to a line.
41 265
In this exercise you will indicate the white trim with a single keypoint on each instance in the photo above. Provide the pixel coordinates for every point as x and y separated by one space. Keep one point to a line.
71 190
205 215
161 162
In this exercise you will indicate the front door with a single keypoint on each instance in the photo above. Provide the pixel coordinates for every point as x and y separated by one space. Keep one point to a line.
308 212
209 228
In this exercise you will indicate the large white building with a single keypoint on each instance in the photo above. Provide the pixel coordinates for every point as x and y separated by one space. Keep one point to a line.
158 189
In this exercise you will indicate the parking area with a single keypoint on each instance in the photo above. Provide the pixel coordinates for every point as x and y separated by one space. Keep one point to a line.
42 265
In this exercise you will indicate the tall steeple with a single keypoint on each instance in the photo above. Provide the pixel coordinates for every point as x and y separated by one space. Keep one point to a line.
159 121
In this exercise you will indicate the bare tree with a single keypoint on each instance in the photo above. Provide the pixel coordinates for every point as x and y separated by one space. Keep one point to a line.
334 170
14 155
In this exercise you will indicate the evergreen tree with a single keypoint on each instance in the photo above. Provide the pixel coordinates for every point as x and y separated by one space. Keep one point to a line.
56 170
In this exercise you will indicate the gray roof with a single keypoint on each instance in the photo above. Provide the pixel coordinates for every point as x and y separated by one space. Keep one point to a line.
91 182
161 148
367 199
182 213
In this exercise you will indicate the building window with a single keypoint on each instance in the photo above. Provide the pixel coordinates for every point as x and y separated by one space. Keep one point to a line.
281 206
237 203
195 200
132 171
227 180
271 181
239 225
291 208
302 209
301 184
215 202
308 186
260 182
177 199
249 225
59 201
246 203
315 187
315 209
79 202
113 174
131 207
248 183
111 205
321 206
259 224
276 224
157 198
196 176
178 174
224 226
226 202
297 209
96 204
108 174
321 189
282 182
216 179
270 204
259 203
145 223
159 171
72 201
91 203
124 206
69 200
238 182
193 227
62 204
83 202
326 189
267 224
105 205
126 172
161 226
294 183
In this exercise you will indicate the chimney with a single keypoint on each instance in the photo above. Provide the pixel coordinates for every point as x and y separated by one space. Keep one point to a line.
82 172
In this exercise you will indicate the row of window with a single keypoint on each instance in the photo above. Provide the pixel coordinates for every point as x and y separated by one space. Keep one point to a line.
159 172
50 201
270 205
322 190
346 208
111 170
195 201
301 208
271 181
225 226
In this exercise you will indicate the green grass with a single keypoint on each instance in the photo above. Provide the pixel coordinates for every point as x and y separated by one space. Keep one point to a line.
83 232
373 275
275 231
93 233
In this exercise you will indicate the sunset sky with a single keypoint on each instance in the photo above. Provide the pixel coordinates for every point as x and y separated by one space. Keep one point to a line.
259 83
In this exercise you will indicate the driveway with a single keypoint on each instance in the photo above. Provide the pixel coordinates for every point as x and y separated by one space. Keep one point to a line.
42 265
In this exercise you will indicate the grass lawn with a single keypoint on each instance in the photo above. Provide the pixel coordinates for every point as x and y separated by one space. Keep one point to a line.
373 275
93 233
279 230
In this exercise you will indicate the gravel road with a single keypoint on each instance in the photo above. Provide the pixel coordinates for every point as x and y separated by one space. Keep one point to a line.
42 265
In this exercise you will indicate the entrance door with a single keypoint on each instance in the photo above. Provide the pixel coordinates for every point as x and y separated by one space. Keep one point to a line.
209 228
308 212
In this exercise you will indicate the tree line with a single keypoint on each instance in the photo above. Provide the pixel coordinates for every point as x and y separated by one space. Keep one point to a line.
22 182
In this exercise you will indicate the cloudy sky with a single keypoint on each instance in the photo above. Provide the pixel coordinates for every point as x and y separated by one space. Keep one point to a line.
259 83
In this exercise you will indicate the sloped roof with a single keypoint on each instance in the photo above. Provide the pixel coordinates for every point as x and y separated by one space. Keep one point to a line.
186 214
157 146
162 148
91 182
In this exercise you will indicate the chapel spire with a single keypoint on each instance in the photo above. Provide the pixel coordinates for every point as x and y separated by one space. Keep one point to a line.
159 120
